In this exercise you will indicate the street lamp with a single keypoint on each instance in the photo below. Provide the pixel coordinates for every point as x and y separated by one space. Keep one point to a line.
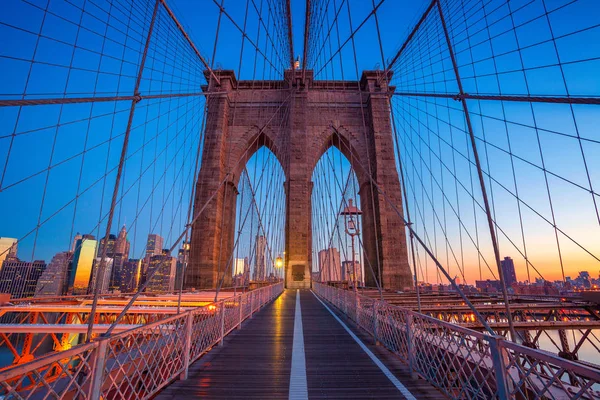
278 262
350 214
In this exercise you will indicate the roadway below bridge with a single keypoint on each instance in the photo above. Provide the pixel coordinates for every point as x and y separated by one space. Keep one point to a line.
297 347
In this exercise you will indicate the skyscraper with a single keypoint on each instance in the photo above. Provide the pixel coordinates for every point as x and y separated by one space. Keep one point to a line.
130 275
260 271
19 278
154 247
508 269
117 248
122 244
182 259
110 245
83 259
348 269
54 280
115 278
329 265
161 273
101 275
75 239
8 249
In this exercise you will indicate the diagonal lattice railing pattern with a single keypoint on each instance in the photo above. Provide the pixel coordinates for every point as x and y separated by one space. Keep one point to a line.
137 363
460 362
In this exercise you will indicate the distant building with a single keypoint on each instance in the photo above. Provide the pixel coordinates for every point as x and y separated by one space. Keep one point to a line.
154 247
130 275
75 239
110 245
183 256
241 270
83 260
122 244
239 266
489 286
8 249
161 273
330 265
55 278
545 289
117 248
348 272
20 278
508 269
101 275
260 270
117 271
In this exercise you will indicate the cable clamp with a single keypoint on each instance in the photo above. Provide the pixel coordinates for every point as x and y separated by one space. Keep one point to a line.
137 98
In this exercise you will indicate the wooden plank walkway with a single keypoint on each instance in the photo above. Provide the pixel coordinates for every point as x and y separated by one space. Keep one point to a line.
255 362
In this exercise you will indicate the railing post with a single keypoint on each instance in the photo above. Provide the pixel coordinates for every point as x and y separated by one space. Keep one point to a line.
187 348
410 348
498 361
98 369
251 304
240 305
222 322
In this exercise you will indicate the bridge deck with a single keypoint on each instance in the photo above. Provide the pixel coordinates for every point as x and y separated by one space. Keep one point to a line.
256 362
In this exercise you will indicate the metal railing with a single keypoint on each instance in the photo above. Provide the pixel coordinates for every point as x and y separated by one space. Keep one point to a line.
137 363
463 363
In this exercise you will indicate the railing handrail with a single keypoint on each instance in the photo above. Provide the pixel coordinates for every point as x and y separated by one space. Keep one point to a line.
94 354
416 313
507 359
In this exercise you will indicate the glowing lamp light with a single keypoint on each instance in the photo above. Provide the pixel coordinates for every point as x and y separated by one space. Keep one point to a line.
212 307
279 262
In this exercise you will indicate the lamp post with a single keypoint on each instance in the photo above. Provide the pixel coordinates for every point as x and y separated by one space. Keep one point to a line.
279 263
352 229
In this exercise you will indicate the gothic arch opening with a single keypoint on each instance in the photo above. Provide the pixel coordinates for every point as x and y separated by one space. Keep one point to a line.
259 235
338 253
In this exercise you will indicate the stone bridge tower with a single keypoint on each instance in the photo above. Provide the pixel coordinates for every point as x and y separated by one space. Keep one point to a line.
298 119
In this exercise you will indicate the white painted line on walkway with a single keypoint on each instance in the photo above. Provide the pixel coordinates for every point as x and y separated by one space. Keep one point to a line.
298 385
405 392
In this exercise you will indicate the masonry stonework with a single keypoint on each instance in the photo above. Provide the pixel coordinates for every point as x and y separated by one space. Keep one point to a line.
298 119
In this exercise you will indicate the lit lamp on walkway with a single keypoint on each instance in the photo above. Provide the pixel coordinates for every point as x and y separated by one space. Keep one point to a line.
279 263
350 214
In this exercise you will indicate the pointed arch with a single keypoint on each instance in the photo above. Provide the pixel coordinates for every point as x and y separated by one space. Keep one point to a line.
247 144
349 144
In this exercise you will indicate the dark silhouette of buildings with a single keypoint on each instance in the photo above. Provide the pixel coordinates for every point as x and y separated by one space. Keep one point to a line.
130 275
20 278
117 248
161 273
55 278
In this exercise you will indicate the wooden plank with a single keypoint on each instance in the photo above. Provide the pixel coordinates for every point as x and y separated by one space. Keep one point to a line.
255 362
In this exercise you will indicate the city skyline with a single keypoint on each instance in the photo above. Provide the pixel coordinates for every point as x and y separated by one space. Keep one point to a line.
573 269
